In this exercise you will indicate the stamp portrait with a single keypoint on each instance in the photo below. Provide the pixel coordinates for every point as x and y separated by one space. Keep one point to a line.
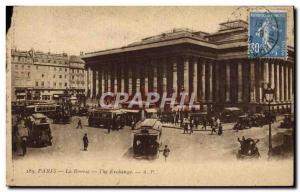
267 34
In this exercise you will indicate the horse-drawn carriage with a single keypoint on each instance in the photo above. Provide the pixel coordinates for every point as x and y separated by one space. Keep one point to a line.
248 149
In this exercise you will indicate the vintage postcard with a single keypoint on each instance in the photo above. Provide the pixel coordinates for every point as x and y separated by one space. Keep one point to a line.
150 96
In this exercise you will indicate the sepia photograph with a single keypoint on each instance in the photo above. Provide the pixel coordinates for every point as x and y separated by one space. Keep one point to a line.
116 96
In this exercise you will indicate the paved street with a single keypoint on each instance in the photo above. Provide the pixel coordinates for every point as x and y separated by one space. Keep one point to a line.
199 146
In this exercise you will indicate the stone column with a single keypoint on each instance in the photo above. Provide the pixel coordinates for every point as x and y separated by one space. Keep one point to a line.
272 75
175 84
102 81
86 88
210 75
108 81
146 80
252 82
261 79
115 80
122 79
164 74
240 82
186 75
286 79
203 77
91 83
129 80
195 79
277 83
154 77
217 95
138 79
291 83
266 72
227 82
97 83
282 82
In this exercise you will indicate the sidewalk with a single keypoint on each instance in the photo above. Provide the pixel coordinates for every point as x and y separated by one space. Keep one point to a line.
227 126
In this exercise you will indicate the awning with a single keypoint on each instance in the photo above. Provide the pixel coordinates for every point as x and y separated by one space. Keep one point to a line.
151 110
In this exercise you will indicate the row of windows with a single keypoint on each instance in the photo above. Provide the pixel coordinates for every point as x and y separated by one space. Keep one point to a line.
60 76
77 77
22 66
77 82
23 73
42 84
50 61
22 59
77 70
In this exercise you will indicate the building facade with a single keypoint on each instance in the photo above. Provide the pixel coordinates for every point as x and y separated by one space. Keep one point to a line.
215 67
43 76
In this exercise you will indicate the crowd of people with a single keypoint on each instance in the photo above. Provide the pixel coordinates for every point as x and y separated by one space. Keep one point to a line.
189 125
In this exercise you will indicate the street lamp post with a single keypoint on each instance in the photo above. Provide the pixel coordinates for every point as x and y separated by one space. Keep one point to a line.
269 93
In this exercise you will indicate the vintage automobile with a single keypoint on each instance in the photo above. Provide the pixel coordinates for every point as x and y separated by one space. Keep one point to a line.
151 113
288 121
107 118
131 116
82 111
230 114
166 117
270 116
243 122
62 115
257 120
146 140
39 132
48 109
248 149
199 117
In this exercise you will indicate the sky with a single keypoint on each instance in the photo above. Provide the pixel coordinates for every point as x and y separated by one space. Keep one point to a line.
87 29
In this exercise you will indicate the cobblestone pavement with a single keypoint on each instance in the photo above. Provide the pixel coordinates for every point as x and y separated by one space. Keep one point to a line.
200 146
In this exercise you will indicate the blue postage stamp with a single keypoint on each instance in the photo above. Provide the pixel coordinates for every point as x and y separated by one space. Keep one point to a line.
267 34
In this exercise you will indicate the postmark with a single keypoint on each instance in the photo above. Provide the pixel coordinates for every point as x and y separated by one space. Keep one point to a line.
267 34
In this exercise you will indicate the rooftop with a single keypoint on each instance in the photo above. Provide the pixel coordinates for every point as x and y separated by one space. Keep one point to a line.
180 35
76 59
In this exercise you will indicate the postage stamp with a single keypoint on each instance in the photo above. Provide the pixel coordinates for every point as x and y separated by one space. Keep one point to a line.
267 34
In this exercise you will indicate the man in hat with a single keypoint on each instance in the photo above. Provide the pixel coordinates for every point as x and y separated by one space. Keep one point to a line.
166 152
85 142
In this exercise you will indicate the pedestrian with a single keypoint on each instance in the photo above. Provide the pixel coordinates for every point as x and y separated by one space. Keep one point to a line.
166 152
218 122
79 124
211 121
196 123
213 129
108 125
85 142
185 124
191 128
132 125
24 145
220 129
204 122
191 122
114 124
